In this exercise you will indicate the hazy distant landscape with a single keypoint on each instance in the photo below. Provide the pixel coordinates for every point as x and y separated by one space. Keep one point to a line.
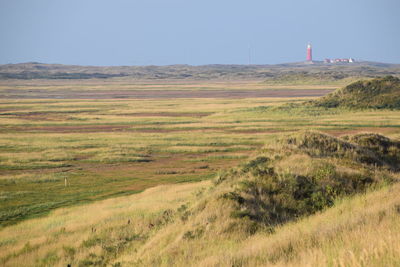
291 72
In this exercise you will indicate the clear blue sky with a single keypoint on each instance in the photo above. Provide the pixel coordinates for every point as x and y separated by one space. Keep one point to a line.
160 32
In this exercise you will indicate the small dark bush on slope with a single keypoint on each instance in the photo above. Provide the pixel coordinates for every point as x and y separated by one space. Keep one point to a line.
268 197
388 150
272 199
373 149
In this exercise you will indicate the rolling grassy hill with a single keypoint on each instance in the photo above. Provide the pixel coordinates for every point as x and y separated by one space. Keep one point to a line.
376 93
291 179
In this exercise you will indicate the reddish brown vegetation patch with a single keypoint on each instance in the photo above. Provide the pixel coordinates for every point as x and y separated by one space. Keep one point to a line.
168 114
380 130
155 130
161 94
70 129
39 116
170 130
255 131
105 128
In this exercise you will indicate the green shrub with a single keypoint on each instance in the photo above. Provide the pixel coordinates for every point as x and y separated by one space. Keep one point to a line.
270 198
387 150
274 199
371 149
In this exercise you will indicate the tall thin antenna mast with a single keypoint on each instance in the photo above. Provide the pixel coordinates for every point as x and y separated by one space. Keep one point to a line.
249 55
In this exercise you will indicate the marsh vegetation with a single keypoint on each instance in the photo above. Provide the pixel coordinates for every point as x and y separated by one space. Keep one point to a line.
196 181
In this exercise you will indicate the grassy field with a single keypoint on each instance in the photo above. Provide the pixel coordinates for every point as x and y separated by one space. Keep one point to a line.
129 84
57 153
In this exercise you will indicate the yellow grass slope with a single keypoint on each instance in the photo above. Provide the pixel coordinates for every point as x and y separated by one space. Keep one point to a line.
358 231
361 231
84 234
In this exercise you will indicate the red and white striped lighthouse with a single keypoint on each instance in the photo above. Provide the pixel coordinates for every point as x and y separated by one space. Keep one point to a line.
309 52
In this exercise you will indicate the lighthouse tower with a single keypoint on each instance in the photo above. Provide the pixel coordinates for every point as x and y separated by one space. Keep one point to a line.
309 52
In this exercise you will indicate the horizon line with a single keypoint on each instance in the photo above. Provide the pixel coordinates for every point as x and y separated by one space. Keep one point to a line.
199 65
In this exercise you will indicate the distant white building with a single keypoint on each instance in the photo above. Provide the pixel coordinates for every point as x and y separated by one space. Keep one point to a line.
339 60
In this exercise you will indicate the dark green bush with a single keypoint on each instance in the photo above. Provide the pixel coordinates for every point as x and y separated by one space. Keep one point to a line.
371 149
272 199
387 150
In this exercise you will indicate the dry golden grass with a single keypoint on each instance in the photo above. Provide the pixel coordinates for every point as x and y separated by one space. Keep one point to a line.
358 231
213 236
362 231
32 241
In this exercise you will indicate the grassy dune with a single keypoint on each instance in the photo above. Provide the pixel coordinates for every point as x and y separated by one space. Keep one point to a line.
357 231
377 93
250 217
